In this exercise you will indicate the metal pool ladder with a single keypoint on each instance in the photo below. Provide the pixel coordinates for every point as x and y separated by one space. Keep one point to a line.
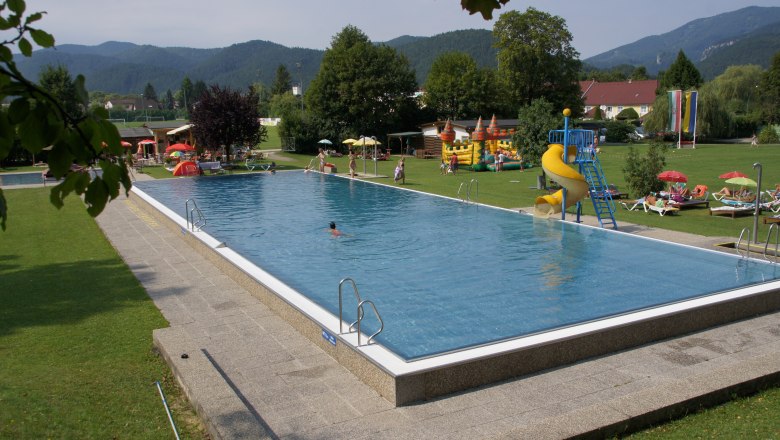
776 229
195 218
739 241
360 312
466 197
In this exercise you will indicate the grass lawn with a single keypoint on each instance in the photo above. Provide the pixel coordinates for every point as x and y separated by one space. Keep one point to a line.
274 141
76 354
753 417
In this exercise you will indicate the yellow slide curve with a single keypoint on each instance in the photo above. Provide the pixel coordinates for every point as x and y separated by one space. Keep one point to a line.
564 175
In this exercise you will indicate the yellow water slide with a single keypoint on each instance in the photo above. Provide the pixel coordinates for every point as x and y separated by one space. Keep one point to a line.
564 175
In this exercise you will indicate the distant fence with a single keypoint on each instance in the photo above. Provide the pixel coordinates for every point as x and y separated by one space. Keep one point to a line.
288 144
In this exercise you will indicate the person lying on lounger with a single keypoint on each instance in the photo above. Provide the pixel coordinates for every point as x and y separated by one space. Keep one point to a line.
725 191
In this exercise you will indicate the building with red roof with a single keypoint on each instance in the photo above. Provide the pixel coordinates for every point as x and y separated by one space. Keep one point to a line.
614 97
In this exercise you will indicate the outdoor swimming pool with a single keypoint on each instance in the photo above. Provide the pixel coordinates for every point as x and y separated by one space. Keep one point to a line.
15 179
445 275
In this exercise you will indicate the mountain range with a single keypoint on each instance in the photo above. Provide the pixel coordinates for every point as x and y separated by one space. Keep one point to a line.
747 36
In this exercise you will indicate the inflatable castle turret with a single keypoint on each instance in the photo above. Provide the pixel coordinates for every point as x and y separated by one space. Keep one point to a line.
447 135
478 138
493 134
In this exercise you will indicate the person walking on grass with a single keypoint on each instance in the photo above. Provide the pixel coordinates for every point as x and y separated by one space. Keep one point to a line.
400 172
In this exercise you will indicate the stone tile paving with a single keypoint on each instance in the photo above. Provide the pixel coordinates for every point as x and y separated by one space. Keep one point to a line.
251 375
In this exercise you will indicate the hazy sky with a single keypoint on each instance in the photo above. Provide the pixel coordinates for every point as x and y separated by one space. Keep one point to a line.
597 25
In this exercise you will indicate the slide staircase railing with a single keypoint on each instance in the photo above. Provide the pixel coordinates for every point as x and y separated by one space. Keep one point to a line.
590 167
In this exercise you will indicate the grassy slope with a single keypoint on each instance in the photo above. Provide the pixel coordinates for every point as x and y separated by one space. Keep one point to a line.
76 352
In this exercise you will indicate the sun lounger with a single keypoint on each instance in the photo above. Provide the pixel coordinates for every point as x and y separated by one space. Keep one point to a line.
732 211
690 202
662 211
738 203
700 192
212 167
773 206
635 205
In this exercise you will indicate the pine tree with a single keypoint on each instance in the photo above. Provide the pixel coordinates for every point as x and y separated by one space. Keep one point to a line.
282 81
149 92
682 75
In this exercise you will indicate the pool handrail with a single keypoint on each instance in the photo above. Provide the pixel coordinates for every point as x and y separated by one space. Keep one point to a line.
739 241
466 197
190 216
468 190
776 229
360 319
359 301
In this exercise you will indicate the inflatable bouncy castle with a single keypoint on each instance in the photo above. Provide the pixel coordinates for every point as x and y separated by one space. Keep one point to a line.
478 152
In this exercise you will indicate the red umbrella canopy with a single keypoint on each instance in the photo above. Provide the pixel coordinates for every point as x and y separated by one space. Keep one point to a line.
147 141
672 176
731 175
179 147
126 144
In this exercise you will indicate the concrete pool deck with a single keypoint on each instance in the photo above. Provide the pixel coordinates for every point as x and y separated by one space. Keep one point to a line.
250 374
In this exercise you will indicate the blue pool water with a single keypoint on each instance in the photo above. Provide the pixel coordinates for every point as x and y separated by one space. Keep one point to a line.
445 275
20 179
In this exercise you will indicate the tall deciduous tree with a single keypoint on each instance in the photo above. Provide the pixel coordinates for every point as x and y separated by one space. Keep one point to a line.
535 121
282 81
457 89
536 59
360 88
58 82
682 75
770 92
224 117
737 87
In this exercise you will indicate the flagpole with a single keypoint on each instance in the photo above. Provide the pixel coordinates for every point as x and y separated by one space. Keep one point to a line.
678 117
695 119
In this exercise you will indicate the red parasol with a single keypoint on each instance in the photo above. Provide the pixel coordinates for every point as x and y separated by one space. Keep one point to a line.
147 141
126 144
731 175
672 176
179 147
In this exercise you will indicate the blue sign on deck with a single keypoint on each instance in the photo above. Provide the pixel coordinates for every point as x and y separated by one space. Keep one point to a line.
328 337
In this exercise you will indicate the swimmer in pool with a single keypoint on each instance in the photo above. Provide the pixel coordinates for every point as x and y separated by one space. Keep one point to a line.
333 231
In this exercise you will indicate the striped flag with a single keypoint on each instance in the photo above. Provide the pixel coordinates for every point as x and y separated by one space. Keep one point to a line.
675 108
691 101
